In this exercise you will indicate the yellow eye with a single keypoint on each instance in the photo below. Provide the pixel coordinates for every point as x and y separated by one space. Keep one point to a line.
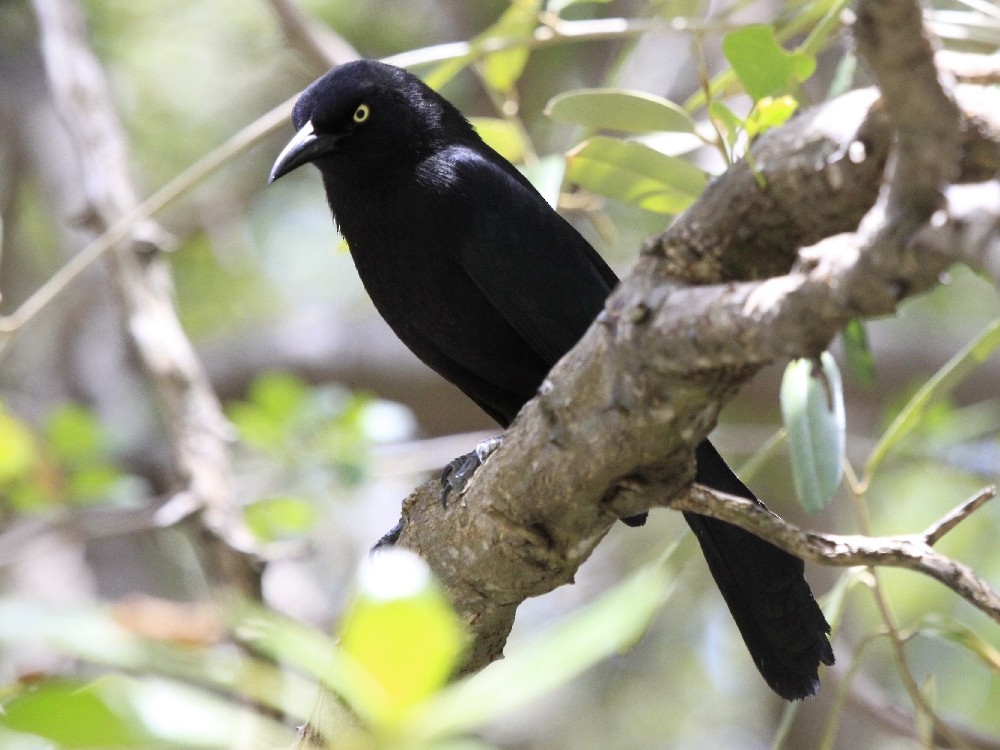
361 113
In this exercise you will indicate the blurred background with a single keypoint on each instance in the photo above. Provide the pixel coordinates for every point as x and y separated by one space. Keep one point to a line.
338 421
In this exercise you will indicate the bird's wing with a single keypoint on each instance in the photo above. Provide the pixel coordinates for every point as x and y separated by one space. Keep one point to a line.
536 270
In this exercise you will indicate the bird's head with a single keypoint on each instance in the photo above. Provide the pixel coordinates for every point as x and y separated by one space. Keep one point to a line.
364 117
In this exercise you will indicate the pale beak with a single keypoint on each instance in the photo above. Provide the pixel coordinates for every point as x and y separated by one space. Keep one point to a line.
305 146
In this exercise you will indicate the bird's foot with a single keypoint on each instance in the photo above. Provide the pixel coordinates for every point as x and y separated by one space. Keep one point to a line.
456 475
389 539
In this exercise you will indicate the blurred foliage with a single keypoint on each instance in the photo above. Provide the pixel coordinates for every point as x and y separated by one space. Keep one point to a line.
296 438
98 671
67 462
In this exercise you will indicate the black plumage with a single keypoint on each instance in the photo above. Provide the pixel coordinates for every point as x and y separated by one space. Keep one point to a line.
489 286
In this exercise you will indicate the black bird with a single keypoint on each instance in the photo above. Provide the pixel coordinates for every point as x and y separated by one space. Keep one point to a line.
489 286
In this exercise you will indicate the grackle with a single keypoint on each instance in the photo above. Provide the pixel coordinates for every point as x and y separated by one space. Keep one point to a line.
489 286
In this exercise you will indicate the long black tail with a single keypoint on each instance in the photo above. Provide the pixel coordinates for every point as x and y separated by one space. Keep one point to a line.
765 590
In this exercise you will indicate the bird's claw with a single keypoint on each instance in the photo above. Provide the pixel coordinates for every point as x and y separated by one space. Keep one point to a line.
456 475
389 539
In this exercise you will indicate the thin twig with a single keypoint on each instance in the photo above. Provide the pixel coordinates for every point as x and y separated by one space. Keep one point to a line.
937 530
909 551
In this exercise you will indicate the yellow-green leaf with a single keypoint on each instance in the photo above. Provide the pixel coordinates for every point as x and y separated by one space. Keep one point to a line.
502 69
402 631
279 517
635 173
74 715
770 113
502 136
18 448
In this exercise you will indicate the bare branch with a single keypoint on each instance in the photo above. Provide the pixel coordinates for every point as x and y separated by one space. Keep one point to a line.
199 433
910 551
937 530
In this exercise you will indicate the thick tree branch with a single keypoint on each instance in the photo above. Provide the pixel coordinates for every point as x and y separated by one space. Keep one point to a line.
613 428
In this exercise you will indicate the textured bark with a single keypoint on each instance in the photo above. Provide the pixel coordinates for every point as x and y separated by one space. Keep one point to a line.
750 275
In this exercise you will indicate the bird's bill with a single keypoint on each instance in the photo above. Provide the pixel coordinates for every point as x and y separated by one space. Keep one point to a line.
305 146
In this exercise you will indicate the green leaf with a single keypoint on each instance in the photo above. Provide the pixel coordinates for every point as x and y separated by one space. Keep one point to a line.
547 174
813 412
117 712
857 352
315 654
628 111
402 631
91 484
634 173
770 113
726 120
971 356
558 6
502 136
834 601
763 66
98 635
74 435
961 635
843 76
18 448
502 69
447 70
279 518
274 401
278 394
73 715
608 626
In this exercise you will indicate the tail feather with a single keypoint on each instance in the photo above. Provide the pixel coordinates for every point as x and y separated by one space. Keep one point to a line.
765 590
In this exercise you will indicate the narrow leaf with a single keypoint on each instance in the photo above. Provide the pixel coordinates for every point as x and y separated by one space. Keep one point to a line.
614 622
726 121
964 636
813 411
859 355
971 356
